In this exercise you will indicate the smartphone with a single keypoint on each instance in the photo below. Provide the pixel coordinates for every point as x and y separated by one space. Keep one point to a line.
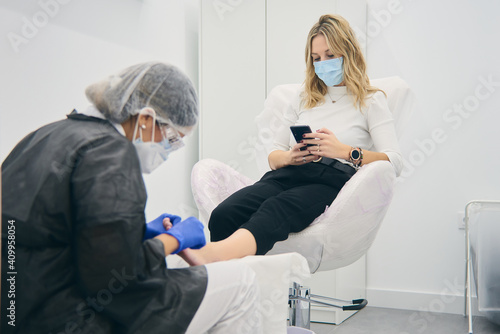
298 131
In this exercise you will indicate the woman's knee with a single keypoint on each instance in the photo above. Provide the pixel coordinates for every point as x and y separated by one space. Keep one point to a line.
221 224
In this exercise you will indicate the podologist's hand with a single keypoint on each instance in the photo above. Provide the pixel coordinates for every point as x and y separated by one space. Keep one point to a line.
189 233
160 225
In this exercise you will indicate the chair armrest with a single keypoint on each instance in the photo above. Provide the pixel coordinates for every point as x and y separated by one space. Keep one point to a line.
212 182
347 229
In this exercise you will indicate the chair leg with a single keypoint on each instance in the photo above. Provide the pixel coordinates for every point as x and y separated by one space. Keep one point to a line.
300 305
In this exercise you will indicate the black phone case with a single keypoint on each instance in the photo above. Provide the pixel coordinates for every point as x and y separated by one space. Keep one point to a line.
298 131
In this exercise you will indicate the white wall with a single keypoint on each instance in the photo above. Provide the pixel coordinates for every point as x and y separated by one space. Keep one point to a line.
446 50
52 49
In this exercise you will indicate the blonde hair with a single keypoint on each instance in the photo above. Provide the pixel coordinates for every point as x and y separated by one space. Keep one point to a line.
341 40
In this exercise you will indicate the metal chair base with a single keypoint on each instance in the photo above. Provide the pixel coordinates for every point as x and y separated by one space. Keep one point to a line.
300 299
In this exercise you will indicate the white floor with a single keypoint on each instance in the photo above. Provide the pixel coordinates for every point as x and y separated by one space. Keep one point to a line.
372 320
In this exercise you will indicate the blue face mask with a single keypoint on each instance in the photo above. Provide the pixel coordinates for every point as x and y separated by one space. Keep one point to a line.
330 71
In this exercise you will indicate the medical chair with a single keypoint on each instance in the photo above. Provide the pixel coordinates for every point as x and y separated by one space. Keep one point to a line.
346 230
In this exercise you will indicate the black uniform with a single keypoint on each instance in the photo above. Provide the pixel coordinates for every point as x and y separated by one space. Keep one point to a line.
73 202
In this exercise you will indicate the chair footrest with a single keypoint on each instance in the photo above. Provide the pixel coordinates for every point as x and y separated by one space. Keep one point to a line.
353 305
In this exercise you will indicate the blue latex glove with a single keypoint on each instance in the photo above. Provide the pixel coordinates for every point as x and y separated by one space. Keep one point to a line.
155 227
189 233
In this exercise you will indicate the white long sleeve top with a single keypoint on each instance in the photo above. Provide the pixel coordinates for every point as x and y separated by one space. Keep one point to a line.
371 129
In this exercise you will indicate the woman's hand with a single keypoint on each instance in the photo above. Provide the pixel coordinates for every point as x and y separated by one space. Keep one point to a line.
279 159
296 157
326 144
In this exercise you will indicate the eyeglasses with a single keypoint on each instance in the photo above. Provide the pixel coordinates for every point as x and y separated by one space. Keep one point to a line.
173 136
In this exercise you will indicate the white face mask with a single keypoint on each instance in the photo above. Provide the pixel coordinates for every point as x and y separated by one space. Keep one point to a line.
151 154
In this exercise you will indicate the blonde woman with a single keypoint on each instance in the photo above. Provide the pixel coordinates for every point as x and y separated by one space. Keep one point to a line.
352 126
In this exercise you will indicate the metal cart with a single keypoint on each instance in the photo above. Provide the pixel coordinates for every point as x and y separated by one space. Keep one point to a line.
482 245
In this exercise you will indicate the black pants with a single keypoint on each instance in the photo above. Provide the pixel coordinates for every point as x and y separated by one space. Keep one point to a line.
283 201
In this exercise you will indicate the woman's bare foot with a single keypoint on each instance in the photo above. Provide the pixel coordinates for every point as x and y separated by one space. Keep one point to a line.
208 254
167 224
192 257
241 243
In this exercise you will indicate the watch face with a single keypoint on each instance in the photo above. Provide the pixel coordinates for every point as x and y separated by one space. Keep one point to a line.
355 154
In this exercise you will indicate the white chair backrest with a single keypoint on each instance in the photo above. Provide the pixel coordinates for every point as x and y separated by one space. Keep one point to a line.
400 100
